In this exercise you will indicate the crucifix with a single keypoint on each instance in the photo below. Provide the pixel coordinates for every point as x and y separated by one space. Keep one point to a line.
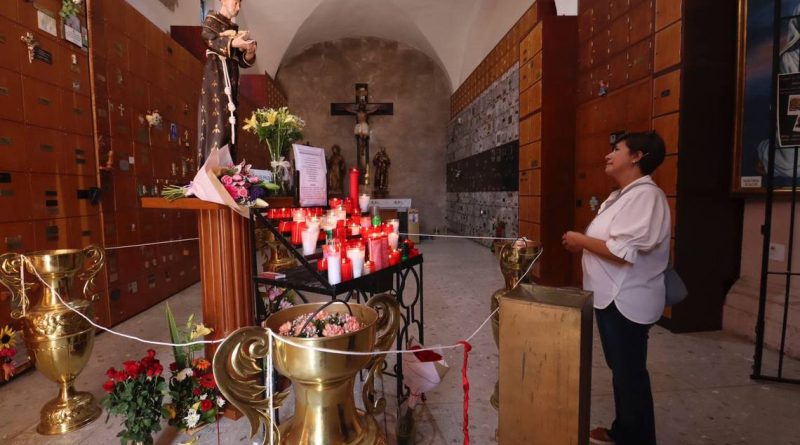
362 109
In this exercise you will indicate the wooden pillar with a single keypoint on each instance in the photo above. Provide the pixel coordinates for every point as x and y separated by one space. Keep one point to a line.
545 366
225 272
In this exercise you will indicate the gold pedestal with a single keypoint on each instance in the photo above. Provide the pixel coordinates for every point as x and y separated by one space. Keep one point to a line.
59 340
515 259
325 411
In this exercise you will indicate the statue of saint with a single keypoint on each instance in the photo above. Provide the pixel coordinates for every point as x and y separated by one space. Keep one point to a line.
227 50
335 171
381 162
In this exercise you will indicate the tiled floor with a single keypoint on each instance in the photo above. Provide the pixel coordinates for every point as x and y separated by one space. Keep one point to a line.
701 383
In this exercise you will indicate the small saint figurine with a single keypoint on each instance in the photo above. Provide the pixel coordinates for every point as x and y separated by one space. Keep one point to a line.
227 49
335 171
381 162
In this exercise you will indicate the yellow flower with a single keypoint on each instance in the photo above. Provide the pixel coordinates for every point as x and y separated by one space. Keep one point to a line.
272 115
7 340
199 330
250 124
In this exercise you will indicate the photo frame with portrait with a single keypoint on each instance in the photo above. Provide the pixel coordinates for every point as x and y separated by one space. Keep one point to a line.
755 96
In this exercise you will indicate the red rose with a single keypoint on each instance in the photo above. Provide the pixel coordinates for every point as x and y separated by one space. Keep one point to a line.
109 386
132 368
158 369
173 366
111 373
151 353
206 405
120 376
197 391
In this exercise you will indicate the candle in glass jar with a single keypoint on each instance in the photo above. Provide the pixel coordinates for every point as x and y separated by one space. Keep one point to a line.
347 269
322 265
395 223
297 230
363 202
309 237
334 267
394 257
393 239
366 222
356 256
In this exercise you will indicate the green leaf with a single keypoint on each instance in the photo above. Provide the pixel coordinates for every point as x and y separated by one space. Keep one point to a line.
174 335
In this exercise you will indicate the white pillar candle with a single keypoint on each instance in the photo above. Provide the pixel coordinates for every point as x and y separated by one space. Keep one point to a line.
395 225
334 268
357 258
310 235
363 202
393 239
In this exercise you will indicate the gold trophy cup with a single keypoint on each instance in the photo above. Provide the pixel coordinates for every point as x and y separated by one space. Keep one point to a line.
324 411
515 259
59 340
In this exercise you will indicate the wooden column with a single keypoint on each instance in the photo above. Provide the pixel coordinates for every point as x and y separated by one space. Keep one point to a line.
225 272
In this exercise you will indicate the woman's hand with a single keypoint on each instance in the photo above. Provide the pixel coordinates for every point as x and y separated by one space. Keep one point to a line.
573 241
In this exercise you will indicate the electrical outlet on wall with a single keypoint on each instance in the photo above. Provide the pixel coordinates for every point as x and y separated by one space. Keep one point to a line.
777 252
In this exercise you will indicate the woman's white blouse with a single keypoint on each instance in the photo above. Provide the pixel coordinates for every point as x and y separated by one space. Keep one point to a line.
636 229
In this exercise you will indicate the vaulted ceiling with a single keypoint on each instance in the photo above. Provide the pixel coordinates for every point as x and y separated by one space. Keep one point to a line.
457 34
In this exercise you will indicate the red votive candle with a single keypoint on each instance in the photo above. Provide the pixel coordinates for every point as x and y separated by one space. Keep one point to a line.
297 229
347 269
354 185
322 265
394 257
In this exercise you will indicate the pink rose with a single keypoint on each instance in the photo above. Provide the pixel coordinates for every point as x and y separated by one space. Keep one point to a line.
237 177
227 180
242 193
254 179
285 328
332 330
231 190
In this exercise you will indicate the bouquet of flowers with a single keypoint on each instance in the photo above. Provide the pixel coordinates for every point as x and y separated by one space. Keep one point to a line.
192 388
70 8
220 181
324 324
278 129
276 298
136 392
7 352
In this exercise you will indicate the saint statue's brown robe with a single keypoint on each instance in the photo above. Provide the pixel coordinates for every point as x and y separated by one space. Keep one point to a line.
214 127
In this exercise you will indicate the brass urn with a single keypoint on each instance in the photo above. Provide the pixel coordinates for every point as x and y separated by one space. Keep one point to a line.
59 340
515 258
324 410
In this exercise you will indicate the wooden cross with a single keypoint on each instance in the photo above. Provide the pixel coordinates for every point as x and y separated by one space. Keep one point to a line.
362 109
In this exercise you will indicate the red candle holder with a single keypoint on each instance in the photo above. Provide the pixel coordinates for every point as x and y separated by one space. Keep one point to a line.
394 258
322 265
347 269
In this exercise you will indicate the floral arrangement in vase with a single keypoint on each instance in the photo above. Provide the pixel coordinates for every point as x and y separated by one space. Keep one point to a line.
136 392
7 352
154 118
244 187
324 324
195 399
278 129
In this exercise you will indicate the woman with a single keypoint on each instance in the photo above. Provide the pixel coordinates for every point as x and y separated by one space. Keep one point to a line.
227 50
625 252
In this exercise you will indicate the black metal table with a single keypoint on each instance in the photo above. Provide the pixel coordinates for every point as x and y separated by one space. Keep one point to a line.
306 278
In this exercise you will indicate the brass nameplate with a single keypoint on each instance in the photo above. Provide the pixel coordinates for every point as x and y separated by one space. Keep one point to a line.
6 141
44 101
50 193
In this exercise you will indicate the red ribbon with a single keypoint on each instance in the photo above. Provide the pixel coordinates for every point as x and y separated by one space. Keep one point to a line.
465 384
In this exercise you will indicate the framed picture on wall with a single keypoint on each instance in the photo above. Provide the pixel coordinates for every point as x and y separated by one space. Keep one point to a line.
754 95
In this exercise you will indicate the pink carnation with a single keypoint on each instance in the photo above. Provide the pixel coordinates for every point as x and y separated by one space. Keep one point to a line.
332 330
227 180
321 315
237 177
352 325
242 193
254 179
285 328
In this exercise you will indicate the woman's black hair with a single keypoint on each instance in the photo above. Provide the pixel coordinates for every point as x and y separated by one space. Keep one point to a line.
650 145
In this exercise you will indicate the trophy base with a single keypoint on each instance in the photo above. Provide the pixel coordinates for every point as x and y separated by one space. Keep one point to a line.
370 436
61 416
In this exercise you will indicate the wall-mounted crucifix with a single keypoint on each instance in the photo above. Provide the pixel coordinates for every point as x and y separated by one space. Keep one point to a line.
362 109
